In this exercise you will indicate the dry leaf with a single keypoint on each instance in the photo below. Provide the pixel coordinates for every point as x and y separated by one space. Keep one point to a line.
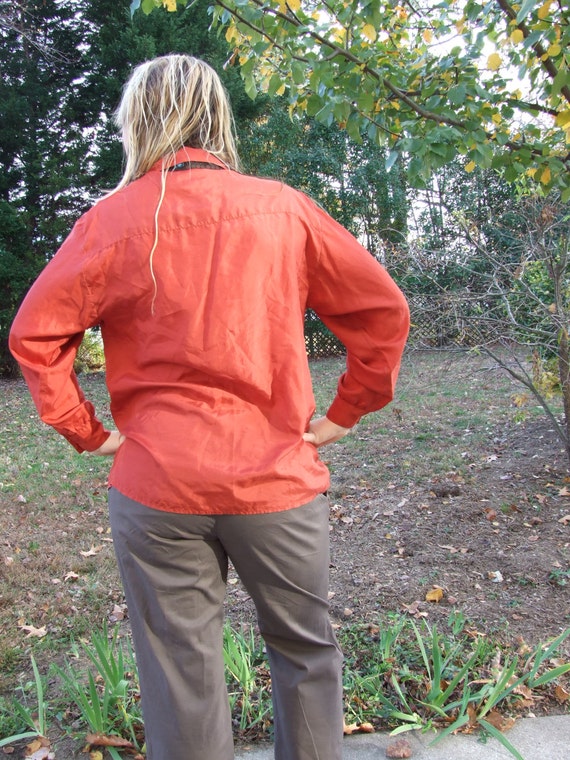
496 576
500 722
564 491
103 740
95 754
33 631
564 520
399 749
435 595
358 728
561 694
92 552
71 576
39 749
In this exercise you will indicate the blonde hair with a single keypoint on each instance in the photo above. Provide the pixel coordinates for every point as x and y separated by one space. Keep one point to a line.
168 103
171 102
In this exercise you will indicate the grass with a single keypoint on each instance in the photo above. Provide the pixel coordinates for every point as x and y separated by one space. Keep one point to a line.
59 582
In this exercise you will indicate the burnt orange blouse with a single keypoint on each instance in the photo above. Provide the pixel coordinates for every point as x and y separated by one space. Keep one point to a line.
207 372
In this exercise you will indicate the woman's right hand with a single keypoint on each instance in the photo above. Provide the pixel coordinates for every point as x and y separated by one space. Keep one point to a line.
111 445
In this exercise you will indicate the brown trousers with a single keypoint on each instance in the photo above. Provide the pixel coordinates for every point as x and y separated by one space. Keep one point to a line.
174 570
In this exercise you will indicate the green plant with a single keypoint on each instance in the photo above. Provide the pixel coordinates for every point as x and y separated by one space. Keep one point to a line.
414 678
559 577
243 659
35 719
109 702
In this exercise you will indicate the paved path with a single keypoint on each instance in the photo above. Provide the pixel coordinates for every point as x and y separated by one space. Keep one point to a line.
534 738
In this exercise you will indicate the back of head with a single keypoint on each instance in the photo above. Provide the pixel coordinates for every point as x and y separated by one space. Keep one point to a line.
171 102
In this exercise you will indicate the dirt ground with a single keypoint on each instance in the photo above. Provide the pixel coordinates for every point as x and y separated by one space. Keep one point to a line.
488 524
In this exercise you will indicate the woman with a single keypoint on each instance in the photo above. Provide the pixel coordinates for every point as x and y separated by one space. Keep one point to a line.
199 277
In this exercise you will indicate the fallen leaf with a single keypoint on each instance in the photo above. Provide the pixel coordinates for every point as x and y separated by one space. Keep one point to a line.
71 576
104 740
39 749
435 595
413 609
355 728
91 552
564 520
22 499
496 576
500 722
561 694
399 749
33 631
118 613
96 754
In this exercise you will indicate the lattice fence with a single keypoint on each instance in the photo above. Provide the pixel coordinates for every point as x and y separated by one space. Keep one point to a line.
319 340
438 321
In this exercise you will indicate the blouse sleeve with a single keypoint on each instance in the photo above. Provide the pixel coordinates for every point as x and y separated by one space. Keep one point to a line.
360 303
44 339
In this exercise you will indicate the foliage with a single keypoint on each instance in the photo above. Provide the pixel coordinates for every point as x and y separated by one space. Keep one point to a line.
248 675
109 703
429 80
418 678
349 180
397 674
34 719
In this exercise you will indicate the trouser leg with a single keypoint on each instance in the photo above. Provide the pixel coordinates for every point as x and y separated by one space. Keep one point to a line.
174 572
283 561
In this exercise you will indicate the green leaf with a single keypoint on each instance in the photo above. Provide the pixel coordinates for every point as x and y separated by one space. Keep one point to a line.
500 738
526 8
148 6
457 94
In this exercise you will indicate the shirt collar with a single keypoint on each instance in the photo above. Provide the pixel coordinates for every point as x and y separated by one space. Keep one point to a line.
189 154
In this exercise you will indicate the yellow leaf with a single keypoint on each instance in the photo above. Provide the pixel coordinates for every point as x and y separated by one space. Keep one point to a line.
545 176
470 166
294 5
435 595
96 754
170 5
460 25
281 90
231 33
494 61
496 117
517 36
544 9
369 32
554 50
563 119
427 34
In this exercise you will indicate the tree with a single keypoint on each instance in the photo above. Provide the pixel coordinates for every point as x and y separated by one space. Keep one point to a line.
428 79
349 180
63 68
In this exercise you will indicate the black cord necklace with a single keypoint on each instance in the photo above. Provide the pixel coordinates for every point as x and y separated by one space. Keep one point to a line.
193 165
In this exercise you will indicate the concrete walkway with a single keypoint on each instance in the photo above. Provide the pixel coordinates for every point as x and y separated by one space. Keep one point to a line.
534 739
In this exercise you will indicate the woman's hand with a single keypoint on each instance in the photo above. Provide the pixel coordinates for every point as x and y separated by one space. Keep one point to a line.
111 445
322 431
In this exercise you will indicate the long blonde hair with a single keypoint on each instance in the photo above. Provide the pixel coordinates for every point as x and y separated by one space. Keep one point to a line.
168 103
171 102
